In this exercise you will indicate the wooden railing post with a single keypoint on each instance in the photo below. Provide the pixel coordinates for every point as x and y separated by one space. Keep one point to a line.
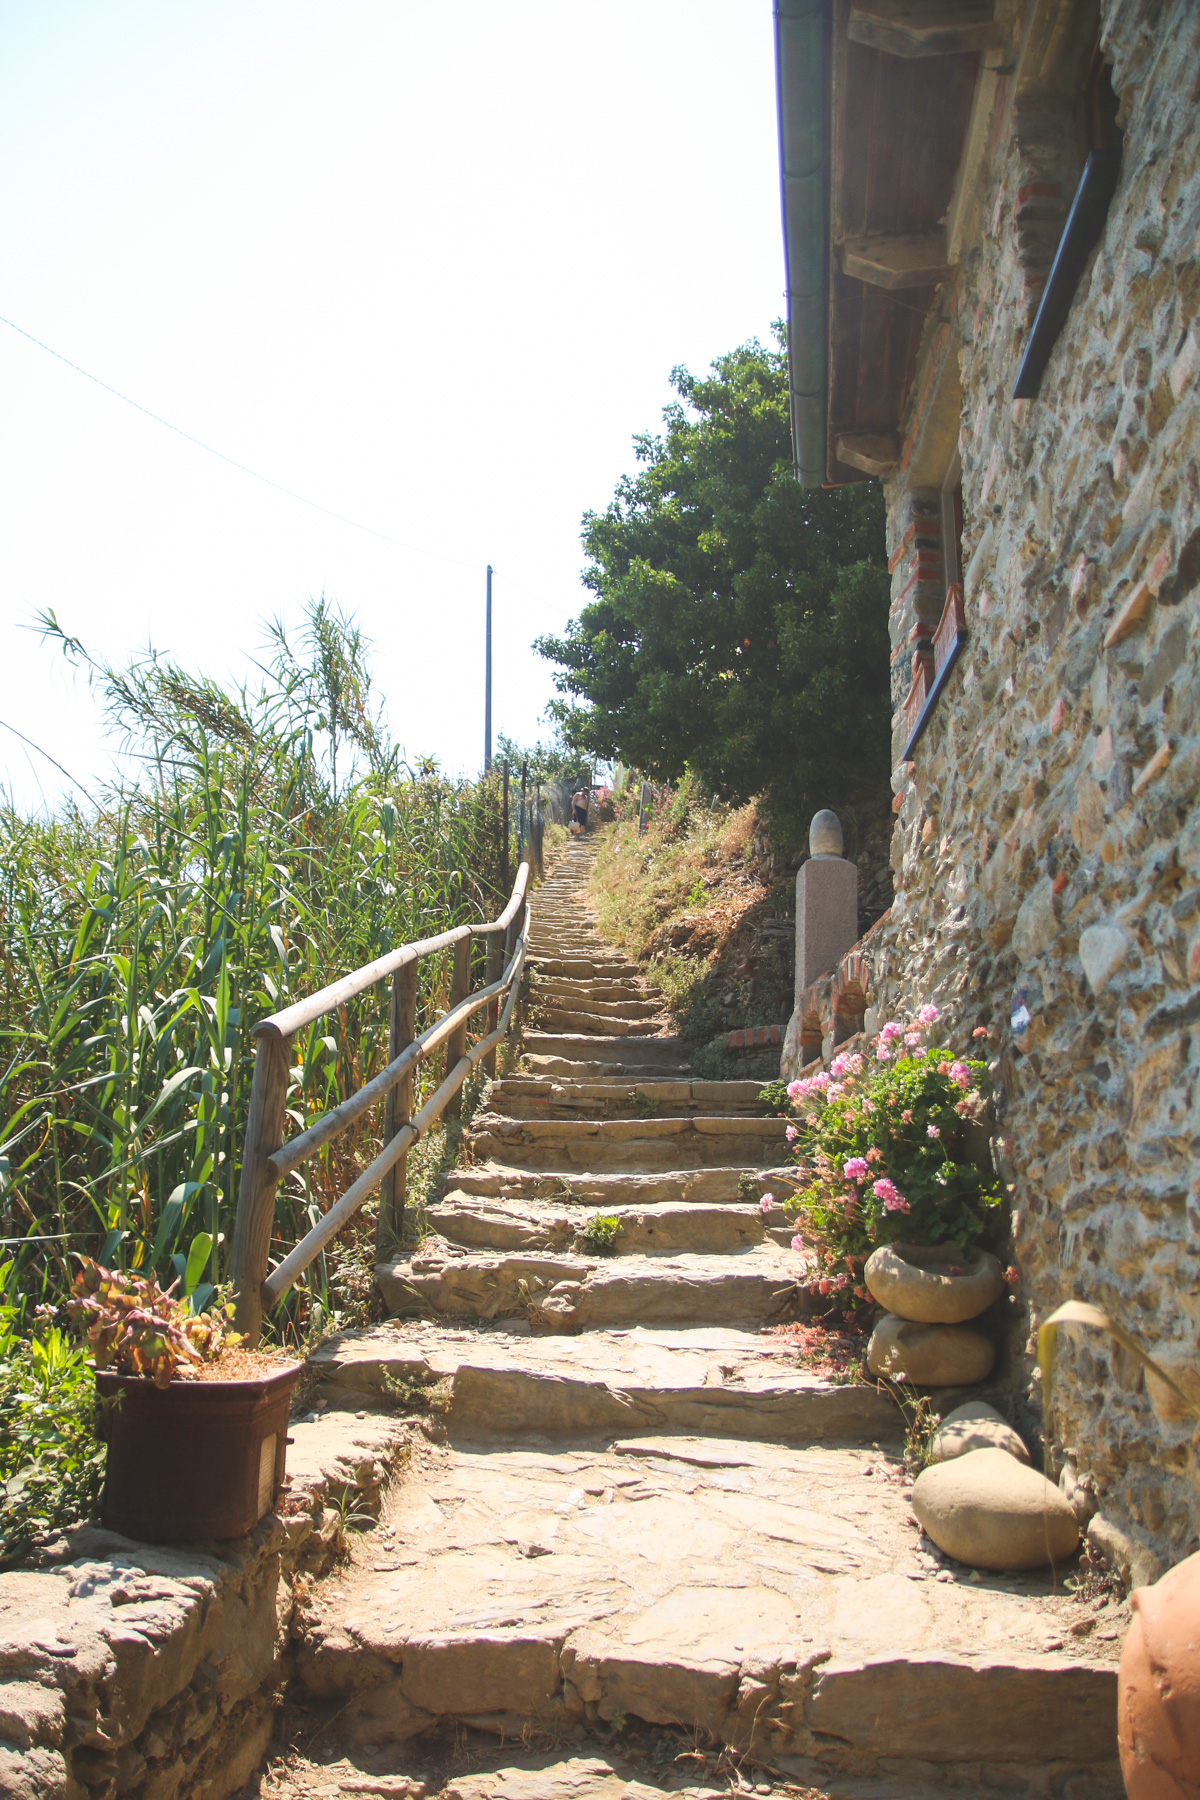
402 1029
495 969
460 987
256 1196
537 840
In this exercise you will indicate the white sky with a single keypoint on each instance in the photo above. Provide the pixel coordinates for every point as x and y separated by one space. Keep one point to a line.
429 264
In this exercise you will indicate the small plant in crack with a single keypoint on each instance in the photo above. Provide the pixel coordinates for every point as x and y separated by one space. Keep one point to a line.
642 1104
414 1394
601 1232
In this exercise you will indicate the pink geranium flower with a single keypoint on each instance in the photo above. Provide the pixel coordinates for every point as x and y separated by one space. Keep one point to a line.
892 1030
791 1134
767 1202
899 1204
929 1015
933 1131
960 1075
856 1168
885 1190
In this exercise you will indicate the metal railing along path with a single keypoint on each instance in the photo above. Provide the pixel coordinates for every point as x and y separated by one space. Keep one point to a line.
266 1159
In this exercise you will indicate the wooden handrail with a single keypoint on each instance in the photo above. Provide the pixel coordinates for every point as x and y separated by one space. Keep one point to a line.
266 1159
328 1226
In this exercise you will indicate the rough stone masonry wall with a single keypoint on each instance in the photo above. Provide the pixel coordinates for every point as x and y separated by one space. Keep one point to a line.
1048 832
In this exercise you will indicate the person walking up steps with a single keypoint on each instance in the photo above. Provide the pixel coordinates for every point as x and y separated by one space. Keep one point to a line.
579 808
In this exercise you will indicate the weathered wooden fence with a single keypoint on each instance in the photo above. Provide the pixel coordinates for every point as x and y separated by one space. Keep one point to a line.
267 1159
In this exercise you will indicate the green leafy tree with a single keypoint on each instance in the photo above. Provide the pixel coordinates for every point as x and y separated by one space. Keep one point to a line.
739 625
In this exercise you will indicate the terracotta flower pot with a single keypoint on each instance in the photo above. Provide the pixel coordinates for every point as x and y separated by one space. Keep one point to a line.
196 1459
1158 1704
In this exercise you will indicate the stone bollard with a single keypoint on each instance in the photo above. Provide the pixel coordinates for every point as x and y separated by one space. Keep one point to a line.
826 903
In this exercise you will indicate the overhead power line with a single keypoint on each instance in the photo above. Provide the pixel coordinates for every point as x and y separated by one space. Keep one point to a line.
243 468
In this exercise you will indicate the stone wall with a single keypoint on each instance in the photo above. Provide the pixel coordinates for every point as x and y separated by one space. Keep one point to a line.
1046 850
151 1672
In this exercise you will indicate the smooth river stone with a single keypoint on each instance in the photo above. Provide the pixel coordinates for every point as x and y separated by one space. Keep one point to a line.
929 1355
913 1280
975 1426
990 1511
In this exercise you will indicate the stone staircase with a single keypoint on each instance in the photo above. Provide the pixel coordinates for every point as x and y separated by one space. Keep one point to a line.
637 1505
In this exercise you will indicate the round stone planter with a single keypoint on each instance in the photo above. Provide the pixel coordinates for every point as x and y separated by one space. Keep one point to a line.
196 1459
929 1355
934 1284
1158 1695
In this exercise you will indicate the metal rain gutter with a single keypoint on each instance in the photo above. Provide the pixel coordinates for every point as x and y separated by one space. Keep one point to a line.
802 35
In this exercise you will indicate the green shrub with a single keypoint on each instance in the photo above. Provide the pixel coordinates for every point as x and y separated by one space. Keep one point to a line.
51 1464
880 1150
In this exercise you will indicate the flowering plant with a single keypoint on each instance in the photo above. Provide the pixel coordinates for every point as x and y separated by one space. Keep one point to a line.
138 1328
880 1148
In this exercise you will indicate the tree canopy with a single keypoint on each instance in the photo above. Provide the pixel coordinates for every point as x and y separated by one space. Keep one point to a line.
739 625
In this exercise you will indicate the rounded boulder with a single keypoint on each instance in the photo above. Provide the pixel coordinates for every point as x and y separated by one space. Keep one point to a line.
975 1426
934 1284
990 1511
929 1355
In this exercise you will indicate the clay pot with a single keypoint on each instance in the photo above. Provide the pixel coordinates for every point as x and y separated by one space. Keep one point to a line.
1158 1704
914 1281
196 1459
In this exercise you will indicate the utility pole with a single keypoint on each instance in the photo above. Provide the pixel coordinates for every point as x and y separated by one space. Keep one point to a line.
487 680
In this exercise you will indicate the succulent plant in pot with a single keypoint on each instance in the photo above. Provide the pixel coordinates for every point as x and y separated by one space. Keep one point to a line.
195 1424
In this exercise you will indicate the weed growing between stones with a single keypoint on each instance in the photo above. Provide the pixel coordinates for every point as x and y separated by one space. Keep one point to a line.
642 1104
410 1394
601 1232
884 1149
921 1422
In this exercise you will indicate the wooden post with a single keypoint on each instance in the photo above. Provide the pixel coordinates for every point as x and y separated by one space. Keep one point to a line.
505 877
460 987
537 838
402 1029
256 1196
522 827
495 969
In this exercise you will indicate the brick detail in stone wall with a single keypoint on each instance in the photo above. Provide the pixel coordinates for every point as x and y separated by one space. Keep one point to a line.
918 587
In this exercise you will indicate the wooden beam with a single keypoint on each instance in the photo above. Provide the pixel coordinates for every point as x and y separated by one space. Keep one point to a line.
924 27
893 260
874 452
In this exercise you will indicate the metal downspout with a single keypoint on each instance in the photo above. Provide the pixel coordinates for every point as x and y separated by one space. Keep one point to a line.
802 33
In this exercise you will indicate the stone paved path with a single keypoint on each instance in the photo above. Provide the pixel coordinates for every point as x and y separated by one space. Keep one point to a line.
641 1512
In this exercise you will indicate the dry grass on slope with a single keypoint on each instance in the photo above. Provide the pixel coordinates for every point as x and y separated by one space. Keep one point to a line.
694 900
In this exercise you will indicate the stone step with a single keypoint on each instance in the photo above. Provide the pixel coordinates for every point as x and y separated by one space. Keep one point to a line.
479 1222
634 1143
631 1006
735 1383
666 1052
535 1096
597 987
607 1191
562 1292
599 965
575 1022
765 1597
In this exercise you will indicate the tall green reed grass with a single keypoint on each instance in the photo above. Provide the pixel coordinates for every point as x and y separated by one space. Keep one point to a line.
263 842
